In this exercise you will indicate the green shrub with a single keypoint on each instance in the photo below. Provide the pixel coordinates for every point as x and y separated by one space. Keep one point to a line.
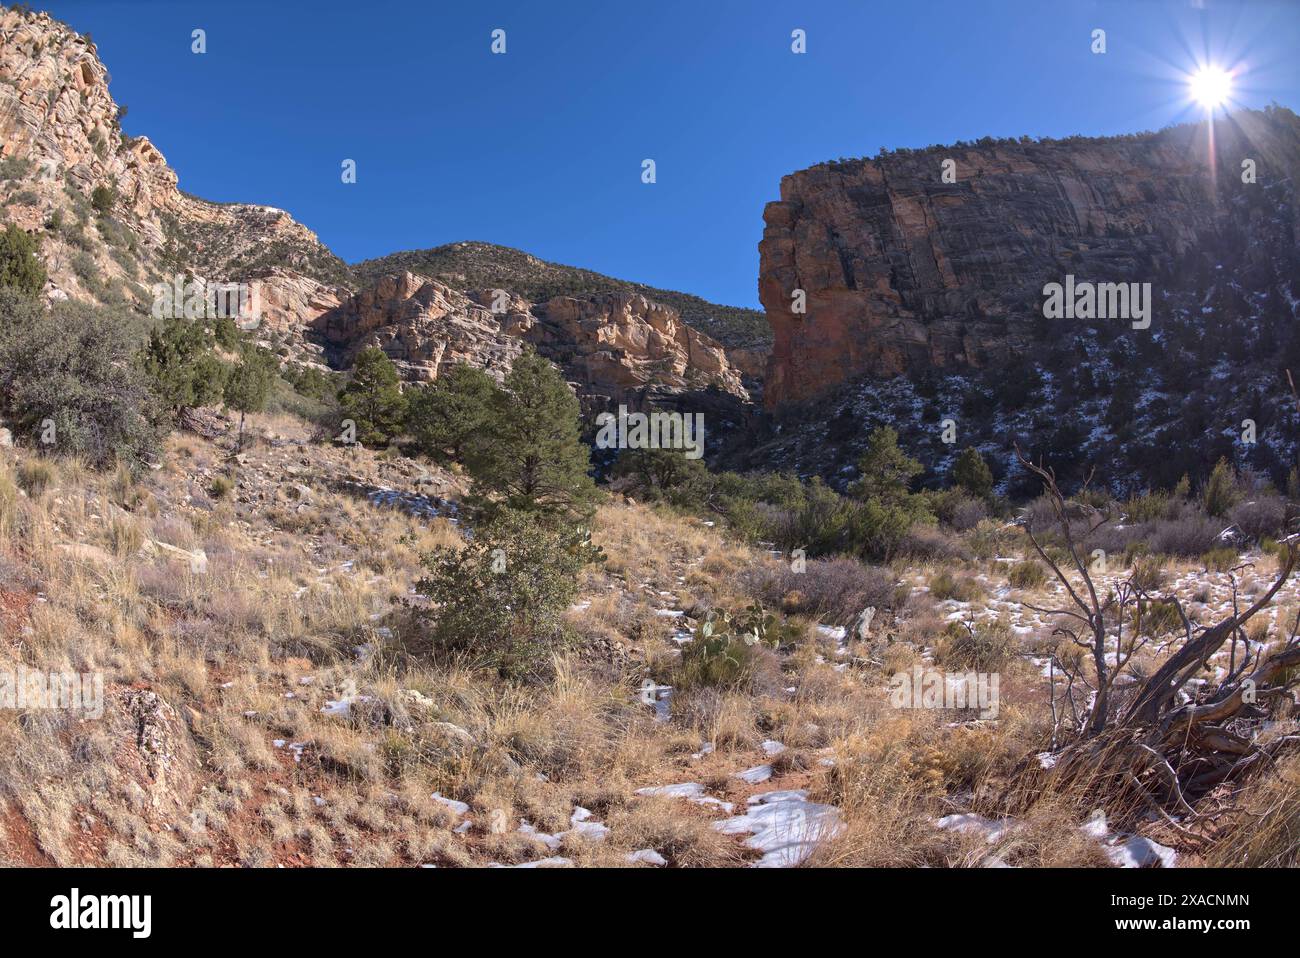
69 374
15 168
989 539
1221 559
667 475
1151 506
182 368
944 585
84 266
102 198
972 474
1148 573
1221 489
983 647
226 334
1027 575
310 381
1157 618
500 598
114 233
20 269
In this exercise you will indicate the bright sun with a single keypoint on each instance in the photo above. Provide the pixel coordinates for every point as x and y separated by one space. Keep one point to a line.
1210 86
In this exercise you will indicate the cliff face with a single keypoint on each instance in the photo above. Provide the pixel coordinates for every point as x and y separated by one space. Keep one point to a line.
614 348
906 273
61 138
421 325
474 265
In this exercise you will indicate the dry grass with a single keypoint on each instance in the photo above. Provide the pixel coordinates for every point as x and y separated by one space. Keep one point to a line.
300 605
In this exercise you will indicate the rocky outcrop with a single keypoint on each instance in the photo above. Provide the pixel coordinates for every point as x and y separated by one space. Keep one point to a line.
421 325
476 265
61 141
621 344
61 136
619 347
905 272
288 303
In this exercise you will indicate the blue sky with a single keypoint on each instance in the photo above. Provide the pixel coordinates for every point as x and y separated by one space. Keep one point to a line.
541 148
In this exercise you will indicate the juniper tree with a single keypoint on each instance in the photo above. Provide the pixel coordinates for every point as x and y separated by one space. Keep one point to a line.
501 597
972 473
182 368
529 455
445 416
373 398
19 267
249 385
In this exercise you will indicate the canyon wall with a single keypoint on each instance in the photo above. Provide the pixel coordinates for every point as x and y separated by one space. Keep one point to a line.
904 272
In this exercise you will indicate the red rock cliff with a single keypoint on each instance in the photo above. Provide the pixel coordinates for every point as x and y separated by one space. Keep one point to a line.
903 271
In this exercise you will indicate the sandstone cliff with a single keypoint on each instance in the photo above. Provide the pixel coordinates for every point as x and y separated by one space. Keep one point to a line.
61 138
906 273
615 348
473 265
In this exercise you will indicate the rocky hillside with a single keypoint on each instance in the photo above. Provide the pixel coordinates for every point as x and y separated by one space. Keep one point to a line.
614 348
744 332
112 222
62 141
925 302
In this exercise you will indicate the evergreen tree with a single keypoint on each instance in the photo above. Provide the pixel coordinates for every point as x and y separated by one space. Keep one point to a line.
102 198
182 367
450 412
373 398
249 385
529 455
19 267
501 597
972 473
1221 489
885 470
68 380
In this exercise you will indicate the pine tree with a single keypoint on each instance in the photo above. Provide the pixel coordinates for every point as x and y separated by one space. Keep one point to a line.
885 470
529 455
446 415
19 267
249 385
1221 489
182 368
373 398
972 473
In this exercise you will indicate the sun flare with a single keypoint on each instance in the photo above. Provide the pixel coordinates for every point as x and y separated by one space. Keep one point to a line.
1210 86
